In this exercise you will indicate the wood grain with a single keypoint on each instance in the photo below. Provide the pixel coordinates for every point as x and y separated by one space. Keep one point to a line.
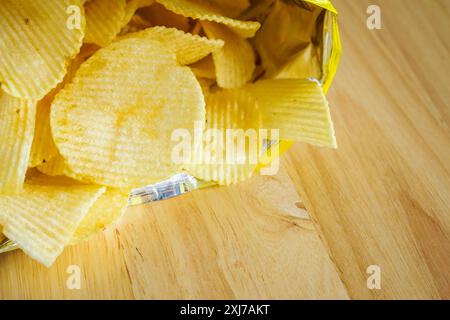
311 231
383 197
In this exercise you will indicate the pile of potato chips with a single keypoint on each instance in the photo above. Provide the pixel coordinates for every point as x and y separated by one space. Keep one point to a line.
92 90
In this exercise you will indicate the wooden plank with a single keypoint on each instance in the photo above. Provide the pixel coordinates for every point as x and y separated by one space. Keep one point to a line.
383 197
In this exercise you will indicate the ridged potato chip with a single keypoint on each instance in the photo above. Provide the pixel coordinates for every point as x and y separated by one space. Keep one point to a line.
187 47
298 108
235 62
104 20
105 212
209 11
141 95
158 15
45 215
224 158
32 60
17 120
43 147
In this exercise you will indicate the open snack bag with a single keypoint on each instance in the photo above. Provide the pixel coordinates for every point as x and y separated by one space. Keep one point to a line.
110 103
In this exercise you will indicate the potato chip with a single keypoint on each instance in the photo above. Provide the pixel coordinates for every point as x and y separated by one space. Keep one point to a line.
141 95
17 118
160 16
232 146
187 47
235 62
208 11
43 218
298 108
204 68
104 20
32 60
105 212
43 148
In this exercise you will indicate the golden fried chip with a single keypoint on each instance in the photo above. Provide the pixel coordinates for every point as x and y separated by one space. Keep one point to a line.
208 11
17 119
45 215
105 212
43 148
160 16
187 47
141 95
235 62
298 108
232 146
104 20
38 39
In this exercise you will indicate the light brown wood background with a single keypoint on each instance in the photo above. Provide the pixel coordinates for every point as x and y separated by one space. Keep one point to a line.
382 198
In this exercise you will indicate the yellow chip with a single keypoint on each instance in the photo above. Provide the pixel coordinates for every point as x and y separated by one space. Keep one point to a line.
43 218
105 212
187 47
206 10
235 62
204 68
160 16
43 148
32 60
298 108
141 95
231 145
17 119
104 20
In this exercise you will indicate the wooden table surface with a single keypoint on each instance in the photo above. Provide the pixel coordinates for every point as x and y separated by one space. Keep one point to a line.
383 198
